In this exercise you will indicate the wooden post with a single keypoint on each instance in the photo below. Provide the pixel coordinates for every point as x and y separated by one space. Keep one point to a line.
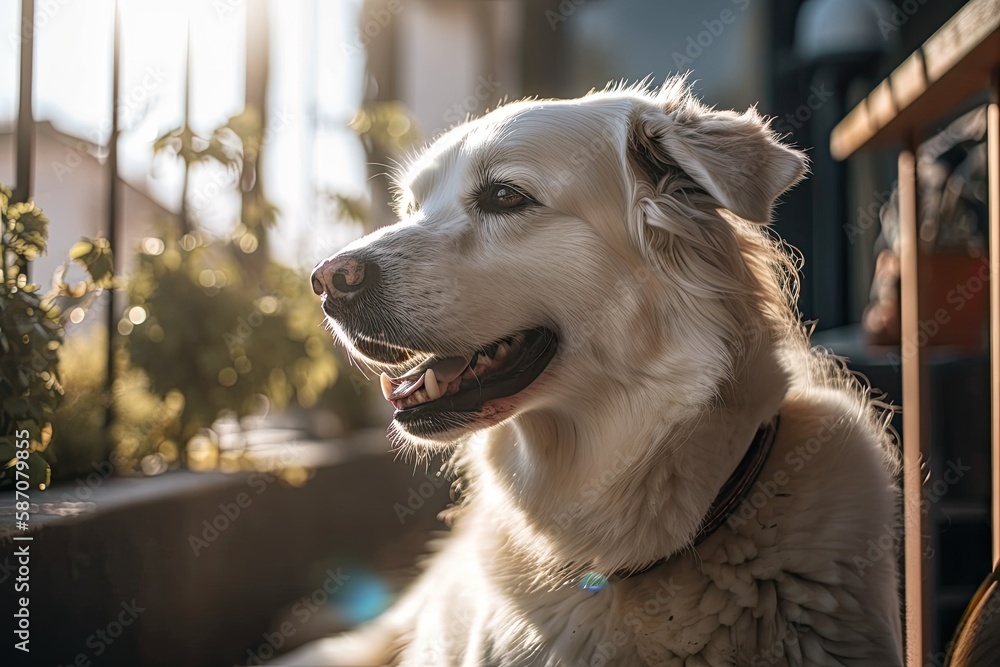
24 190
25 113
112 213
917 588
993 194
257 76
185 217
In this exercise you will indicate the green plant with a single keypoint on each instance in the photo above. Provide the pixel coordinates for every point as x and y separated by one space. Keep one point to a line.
387 126
32 330
197 325
146 426
215 322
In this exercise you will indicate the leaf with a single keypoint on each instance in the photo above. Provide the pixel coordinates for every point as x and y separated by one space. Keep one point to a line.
60 304
27 230
39 472
223 153
387 124
168 142
8 451
183 143
353 208
16 407
246 124
259 213
95 255
81 249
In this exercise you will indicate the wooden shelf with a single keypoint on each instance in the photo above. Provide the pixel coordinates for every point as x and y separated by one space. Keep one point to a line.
954 64
960 60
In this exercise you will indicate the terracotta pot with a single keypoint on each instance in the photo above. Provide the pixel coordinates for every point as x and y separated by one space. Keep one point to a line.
955 296
957 299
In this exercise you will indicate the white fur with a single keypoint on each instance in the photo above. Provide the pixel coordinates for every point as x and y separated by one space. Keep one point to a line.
678 337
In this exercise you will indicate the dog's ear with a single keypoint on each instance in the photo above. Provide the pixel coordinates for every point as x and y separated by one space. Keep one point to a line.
733 157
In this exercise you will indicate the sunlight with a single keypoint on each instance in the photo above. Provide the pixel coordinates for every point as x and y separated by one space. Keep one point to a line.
314 89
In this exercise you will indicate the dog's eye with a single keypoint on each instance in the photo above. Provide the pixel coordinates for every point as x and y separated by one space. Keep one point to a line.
500 197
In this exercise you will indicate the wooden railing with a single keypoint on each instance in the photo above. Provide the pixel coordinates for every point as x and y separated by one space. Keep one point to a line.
960 60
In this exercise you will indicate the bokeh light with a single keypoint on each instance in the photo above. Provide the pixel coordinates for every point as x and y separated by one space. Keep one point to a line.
137 315
152 245
593 582
362 596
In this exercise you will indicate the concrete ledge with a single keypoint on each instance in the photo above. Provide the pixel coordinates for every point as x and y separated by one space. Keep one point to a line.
135 573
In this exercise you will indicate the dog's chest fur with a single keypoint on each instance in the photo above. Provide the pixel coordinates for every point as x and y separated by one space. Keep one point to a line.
780 584
738 606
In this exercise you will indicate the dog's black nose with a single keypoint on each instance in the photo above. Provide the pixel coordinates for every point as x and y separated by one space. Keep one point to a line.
343 275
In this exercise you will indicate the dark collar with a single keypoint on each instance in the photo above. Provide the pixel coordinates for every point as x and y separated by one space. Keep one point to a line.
732 493
736 488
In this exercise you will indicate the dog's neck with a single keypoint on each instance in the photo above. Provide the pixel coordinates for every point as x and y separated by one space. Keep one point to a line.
648 483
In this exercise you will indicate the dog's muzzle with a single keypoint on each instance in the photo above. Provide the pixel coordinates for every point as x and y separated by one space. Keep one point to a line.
439 390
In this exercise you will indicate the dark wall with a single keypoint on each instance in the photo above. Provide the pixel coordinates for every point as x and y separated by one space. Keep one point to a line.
129 569
813 216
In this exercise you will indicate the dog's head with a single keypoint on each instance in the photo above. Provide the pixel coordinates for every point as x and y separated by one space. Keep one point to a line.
553 252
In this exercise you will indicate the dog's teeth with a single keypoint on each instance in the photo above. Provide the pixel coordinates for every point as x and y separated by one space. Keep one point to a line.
481 364
386 385
431 384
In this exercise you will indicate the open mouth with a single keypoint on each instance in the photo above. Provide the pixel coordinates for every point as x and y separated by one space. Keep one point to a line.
466 383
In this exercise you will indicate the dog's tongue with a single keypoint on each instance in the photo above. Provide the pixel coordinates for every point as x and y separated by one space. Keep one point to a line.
446 370
449 368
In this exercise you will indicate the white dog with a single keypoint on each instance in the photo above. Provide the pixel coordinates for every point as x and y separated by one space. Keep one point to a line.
582 300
